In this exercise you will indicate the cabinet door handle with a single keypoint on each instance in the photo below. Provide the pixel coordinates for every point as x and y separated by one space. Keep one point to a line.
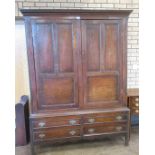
72 121
41 124
91 120
72 132
41 135
119 117
119 128
91 130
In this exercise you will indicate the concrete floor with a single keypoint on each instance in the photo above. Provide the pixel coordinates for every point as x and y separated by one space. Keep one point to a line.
114 146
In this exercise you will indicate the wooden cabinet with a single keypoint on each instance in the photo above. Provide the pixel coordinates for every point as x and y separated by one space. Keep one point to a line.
77 68
133 104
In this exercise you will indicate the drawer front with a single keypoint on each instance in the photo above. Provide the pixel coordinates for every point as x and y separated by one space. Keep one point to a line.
56 121
104 128
134 105
105 117
134 100
135 111
56 133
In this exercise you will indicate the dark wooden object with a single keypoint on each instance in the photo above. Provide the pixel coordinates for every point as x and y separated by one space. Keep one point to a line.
78 75
22 121
133 102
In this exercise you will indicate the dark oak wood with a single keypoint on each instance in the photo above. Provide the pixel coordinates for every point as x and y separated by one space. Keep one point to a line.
78 74
133 104
133 101
22 121
101 129
56 133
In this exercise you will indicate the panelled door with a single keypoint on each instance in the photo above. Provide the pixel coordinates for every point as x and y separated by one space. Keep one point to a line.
102 60
56 53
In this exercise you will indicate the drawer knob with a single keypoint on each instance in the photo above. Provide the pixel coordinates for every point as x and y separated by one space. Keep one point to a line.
72 132
136 104
137 111
91 120
72 121
136 99
118 117
42 124
41 135
119 128
91 130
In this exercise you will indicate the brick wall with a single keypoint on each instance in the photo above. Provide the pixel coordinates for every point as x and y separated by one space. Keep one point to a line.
133 25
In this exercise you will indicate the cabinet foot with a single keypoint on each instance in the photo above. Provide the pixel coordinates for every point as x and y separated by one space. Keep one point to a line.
127 140
32 149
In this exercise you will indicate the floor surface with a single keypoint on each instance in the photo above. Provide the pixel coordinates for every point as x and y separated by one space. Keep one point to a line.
114 146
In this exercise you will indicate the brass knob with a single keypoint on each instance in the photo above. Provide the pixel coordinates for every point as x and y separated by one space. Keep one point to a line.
72 132
137 104
136 99
72 121
41 135
119 128
42 124
91 130
137 111
91 120
119 117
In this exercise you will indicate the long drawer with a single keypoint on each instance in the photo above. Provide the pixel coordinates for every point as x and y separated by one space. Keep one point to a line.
56 122
56 133
105 117
104 128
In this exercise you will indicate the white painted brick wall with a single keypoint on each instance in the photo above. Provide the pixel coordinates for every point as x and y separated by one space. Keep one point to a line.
133 25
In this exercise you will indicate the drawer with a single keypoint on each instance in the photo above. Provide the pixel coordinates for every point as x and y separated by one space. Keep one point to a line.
135 111
105 117
134 99
135 104
134 108
104 128
56 133
56 121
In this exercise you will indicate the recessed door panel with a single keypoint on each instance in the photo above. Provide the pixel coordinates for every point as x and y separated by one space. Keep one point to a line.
102 88
93 47
65 47
111 46
58 91
44 47
56 53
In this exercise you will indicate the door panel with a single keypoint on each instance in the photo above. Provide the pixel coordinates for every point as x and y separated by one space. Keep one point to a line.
56 53
65 48
58 91
111 46
93 47
101 69
44 48
102 88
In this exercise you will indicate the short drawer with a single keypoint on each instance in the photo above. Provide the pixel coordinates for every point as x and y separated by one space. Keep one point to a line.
56 133
134 105
135 111
105 117
56 121
134 99
105 128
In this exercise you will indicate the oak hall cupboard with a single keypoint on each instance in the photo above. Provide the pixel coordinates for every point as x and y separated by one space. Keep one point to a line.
78 74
